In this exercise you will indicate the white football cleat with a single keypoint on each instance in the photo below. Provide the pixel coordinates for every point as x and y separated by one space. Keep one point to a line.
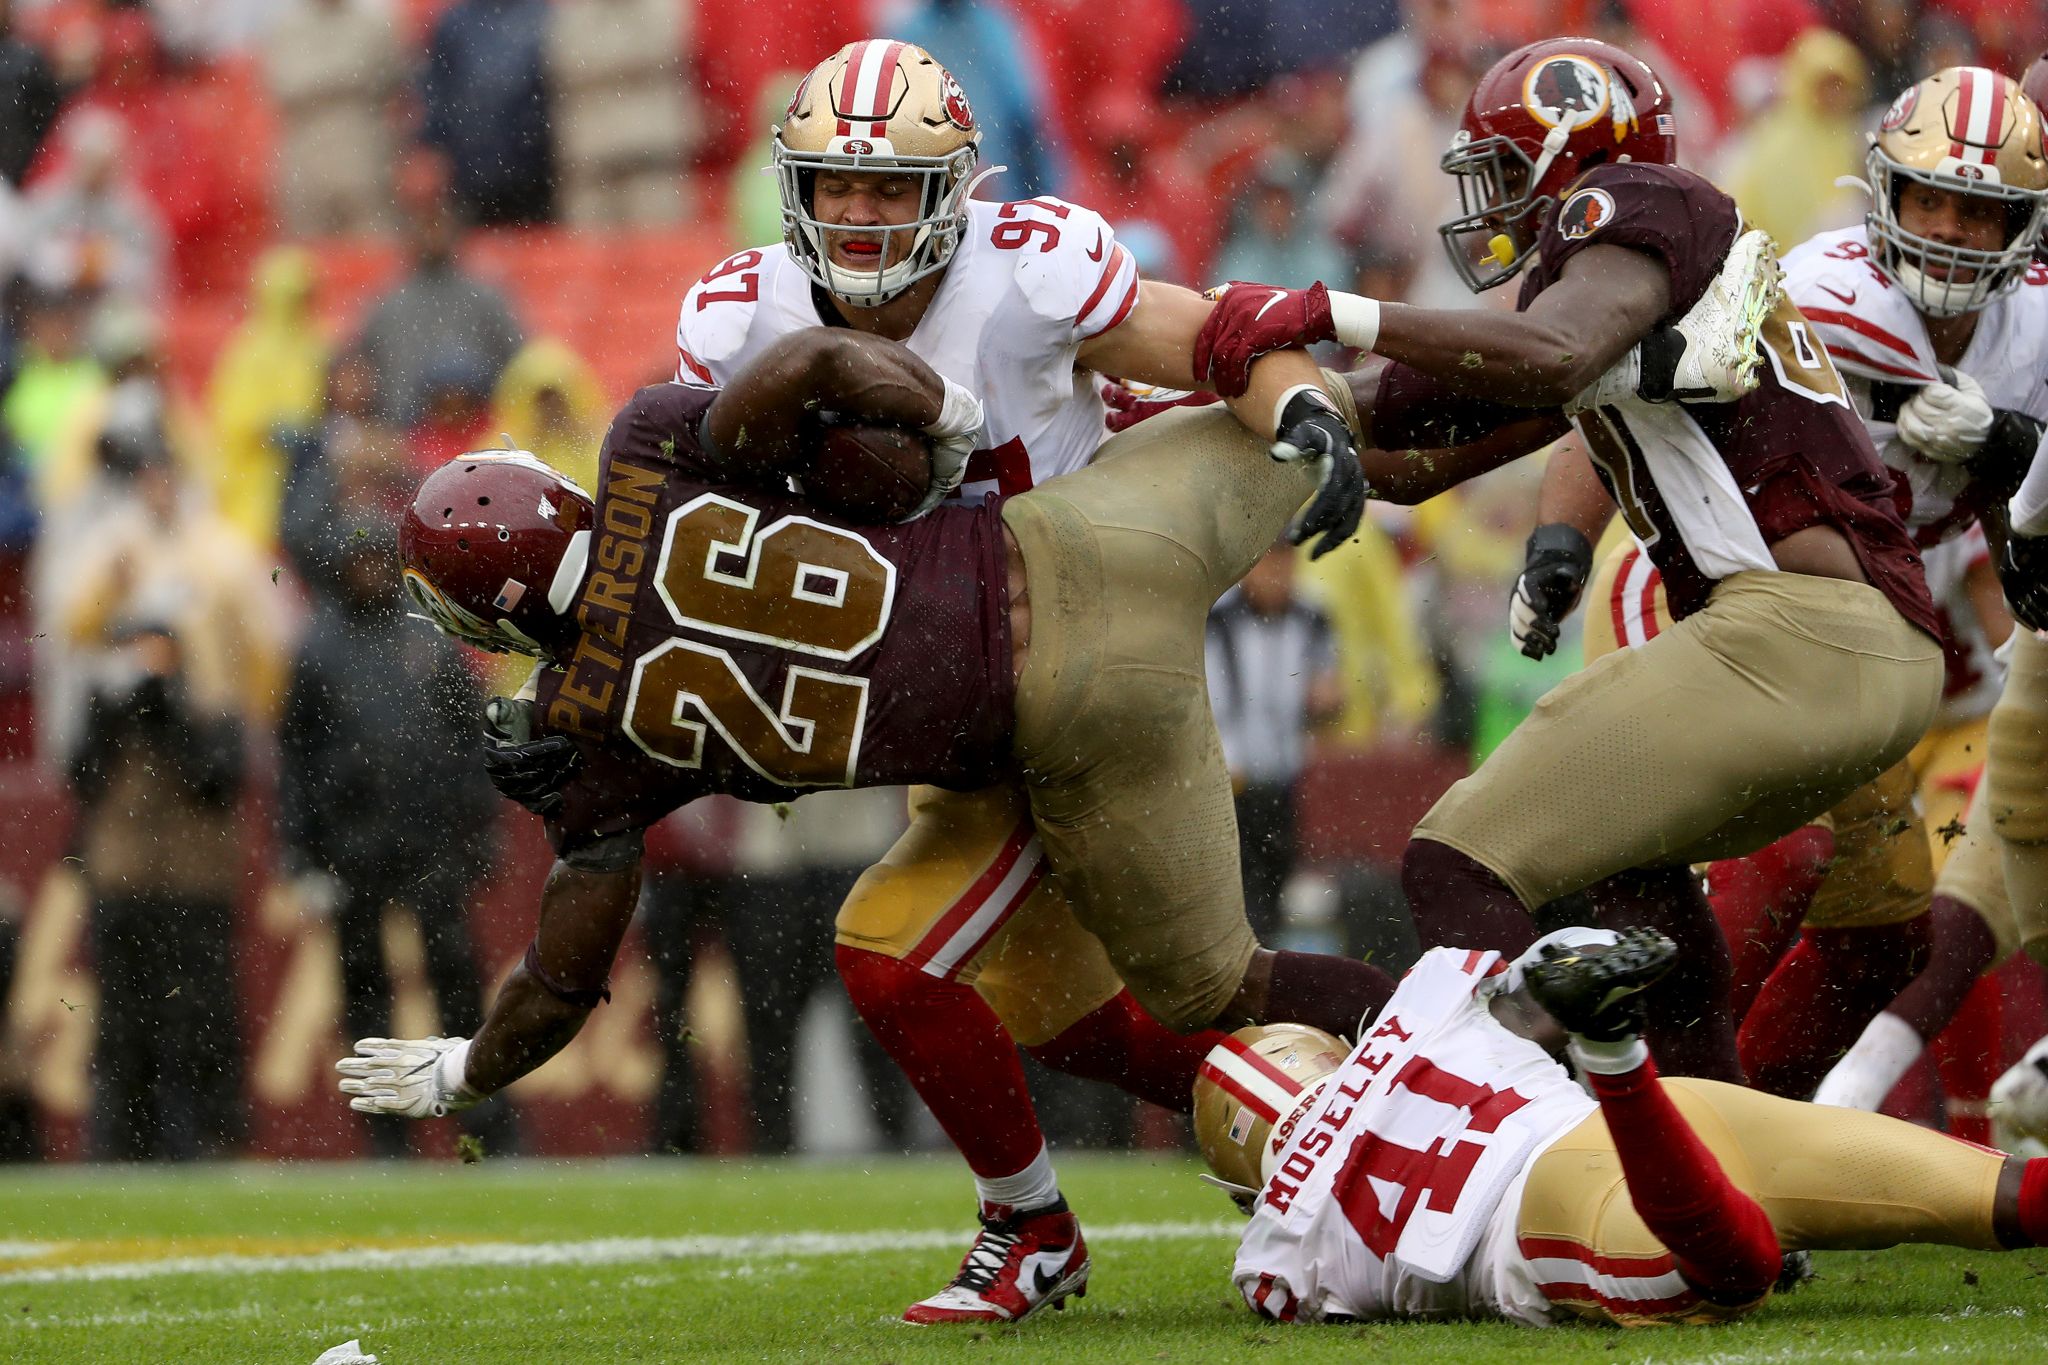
1020 1263
1724 331
2019 1098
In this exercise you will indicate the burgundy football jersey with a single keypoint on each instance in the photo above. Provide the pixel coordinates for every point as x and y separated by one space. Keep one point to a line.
1795 446
737 640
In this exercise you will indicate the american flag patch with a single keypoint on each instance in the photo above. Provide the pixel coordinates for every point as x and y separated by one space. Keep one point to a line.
509 595
1241 1126
1667 126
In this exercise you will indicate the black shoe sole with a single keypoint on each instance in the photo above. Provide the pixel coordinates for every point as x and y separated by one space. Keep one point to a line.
1581 988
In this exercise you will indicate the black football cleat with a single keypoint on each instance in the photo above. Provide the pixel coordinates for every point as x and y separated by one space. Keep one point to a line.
1596 991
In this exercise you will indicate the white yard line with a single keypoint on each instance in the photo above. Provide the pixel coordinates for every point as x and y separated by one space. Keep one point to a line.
601 1251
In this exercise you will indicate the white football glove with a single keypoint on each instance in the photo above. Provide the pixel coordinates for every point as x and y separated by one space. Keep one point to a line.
416 1078
1949 421
956 435
2020 1096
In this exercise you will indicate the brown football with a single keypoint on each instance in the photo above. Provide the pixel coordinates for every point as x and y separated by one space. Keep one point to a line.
869 473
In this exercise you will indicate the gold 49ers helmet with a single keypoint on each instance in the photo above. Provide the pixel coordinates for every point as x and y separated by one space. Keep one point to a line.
1967 130
1250 1090
879 107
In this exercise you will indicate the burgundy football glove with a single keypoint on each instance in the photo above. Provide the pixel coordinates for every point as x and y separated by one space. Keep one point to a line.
1251 319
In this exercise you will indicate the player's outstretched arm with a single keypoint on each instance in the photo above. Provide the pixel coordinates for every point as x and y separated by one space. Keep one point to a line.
542 1005
1156 345
1607 300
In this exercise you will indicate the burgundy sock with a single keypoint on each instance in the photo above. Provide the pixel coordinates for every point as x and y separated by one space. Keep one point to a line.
1686 1020
957 1054
1968 1058
1457 902
1325 992
1121 1044
1723 1242
1816 1003
1760 901
1963 950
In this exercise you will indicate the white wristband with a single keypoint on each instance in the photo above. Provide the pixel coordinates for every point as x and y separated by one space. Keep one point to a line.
1355 319
959 413
452 1074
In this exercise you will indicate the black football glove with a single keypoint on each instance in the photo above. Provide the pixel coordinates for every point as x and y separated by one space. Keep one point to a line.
1311 428
2002 461
1553 575
529 771
2023 572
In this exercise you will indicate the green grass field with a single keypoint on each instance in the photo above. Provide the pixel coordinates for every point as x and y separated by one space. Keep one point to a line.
550 1264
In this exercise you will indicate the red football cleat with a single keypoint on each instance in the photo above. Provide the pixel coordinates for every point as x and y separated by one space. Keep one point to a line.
1020 1263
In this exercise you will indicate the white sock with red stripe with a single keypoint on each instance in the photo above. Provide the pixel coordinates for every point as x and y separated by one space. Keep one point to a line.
1034 1187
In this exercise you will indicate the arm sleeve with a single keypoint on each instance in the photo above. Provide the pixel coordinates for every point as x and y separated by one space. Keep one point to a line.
1672 214
717 314
1069 265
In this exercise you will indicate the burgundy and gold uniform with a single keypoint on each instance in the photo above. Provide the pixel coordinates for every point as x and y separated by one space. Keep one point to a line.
1774 694
736 640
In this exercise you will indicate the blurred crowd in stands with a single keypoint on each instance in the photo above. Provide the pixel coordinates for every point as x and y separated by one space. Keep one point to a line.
265 263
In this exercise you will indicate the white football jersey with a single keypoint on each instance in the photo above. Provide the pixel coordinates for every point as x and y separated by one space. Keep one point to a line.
1030 282
1875 335
1392 1174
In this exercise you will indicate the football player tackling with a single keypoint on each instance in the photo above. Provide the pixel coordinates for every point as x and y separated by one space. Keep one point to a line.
1450 1166
710 631
1937 320
944 946
1804 659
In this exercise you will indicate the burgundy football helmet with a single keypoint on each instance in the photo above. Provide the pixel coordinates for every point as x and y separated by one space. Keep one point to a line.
1543 116
493 549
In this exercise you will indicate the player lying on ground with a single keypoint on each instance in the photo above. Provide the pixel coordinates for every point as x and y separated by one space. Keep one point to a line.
1450 1166
1937 320
711 632
1805 659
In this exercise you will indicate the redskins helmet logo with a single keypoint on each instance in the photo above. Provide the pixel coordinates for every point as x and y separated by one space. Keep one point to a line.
1566 92
1585 213
954 101
1901 110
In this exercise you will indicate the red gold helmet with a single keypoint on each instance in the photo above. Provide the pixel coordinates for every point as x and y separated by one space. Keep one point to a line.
1968 131
1543 116
1250 1090
493 549
878 107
